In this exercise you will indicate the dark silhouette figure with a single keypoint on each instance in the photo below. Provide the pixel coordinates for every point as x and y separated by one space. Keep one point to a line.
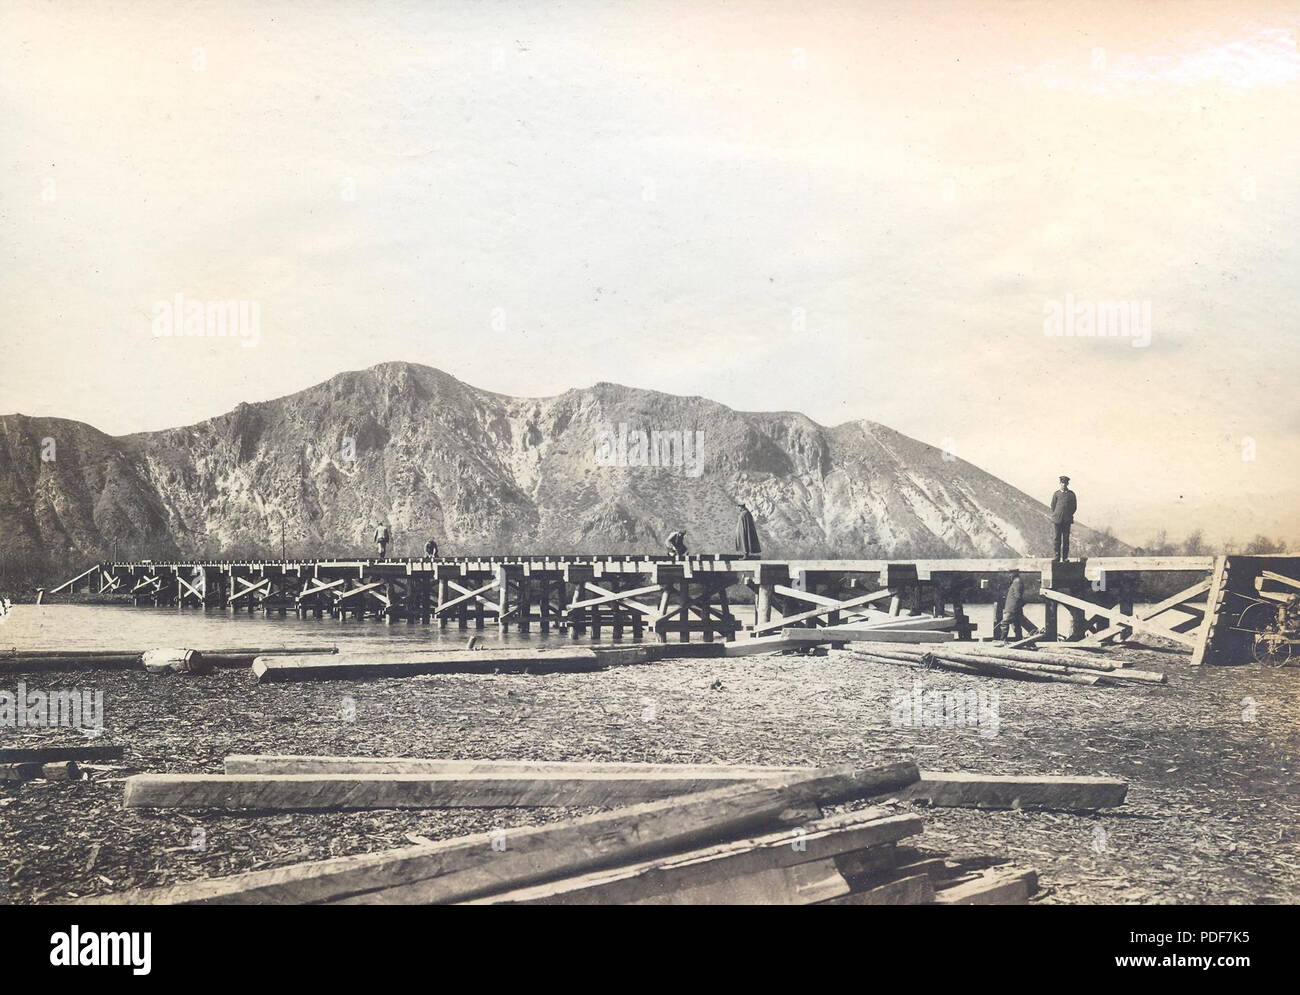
747 535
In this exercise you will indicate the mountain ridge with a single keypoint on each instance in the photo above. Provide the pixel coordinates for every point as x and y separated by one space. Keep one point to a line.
487 472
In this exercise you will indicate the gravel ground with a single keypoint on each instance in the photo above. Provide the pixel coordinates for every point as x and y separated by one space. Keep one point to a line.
1211 817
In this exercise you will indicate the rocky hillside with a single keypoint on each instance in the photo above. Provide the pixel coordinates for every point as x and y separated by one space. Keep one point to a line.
480 472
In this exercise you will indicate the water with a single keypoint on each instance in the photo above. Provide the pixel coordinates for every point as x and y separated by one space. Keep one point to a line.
125 627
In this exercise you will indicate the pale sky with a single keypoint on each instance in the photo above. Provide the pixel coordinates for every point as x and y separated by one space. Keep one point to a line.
852 210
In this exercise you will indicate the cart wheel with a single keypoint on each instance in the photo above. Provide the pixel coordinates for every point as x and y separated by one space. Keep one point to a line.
1257 617
1272 649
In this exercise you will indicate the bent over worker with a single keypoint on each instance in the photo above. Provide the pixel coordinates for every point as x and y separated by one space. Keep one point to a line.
677 545
1013 614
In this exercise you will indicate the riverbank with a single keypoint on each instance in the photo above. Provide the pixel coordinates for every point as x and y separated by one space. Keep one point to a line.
1211 815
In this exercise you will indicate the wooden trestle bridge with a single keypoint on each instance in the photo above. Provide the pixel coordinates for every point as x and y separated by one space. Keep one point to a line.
651 595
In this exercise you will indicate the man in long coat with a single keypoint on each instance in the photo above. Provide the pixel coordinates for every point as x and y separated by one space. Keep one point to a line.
747 535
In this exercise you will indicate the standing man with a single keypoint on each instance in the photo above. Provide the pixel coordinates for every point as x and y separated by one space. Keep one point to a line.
747 534
1064 504
381 538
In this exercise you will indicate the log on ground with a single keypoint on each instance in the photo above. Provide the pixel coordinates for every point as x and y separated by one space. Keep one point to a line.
455 660
57 754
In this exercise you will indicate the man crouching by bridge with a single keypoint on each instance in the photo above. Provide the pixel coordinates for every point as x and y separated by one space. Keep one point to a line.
1064 505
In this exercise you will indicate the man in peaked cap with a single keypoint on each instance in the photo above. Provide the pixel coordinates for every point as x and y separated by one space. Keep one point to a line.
1064 504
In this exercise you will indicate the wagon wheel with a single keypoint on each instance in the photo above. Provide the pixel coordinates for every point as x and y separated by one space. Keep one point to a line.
1272 649
1257 617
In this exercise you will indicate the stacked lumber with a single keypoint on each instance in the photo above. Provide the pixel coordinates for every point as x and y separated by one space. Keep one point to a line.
766 841
1062 667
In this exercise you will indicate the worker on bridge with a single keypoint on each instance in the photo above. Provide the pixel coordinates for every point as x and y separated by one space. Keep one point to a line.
381 539
676 545
1064 504
1013 614
747 534
431 549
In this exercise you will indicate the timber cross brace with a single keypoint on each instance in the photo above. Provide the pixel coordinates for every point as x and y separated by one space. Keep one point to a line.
623 594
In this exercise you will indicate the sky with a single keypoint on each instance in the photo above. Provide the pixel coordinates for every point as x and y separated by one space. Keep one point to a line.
851 210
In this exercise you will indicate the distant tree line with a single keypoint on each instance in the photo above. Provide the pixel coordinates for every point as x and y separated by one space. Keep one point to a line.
1195 545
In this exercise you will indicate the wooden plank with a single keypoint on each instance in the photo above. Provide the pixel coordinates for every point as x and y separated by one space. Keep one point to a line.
613 596
901 622
1169 604
697 873
995 886
342 596
290 764
634 605
477 592
489 606
800 884
319 588
248 588
486 863
1116 616
187 589
940 788
69 583
822 610
1001 661
916 889
768 644
1011 791
1202 645
291 792
1273 575
60 754
451 660
863 613
846 634
982 667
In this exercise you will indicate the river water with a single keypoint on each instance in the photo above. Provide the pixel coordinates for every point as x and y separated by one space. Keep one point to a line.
125 627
